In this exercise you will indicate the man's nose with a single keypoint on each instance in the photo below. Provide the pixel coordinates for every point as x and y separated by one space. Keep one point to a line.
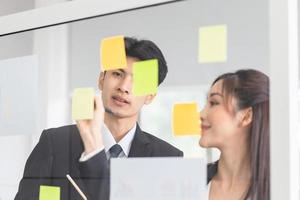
126 84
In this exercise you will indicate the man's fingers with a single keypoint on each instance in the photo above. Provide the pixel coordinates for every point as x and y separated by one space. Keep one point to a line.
78 123
98 103
99 110
89 129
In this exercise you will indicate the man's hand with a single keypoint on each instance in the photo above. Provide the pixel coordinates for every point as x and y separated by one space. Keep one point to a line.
90 130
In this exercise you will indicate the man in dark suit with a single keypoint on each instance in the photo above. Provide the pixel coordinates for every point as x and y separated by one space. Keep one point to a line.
84 151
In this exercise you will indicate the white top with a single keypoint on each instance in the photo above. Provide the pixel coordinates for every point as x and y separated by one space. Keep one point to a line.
208 190
109 141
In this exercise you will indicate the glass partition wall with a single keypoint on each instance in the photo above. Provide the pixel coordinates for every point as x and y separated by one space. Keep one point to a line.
40 68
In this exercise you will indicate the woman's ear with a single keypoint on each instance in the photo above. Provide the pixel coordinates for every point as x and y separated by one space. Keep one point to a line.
101 80
247 117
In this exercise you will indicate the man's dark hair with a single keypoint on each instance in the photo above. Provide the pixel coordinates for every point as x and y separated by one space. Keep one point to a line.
145 50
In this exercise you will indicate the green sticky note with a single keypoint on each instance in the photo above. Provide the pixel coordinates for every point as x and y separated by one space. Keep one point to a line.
49 193
145 77
83 103
113 54
212 44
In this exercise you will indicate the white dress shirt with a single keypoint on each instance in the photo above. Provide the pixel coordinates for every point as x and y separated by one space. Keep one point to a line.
109 141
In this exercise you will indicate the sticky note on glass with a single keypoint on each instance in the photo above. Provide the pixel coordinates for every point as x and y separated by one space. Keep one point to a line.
49 193
145 77
212 44
113 54
83 103
186 119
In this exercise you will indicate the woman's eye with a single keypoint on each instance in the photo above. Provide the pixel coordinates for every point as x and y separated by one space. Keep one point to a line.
213 103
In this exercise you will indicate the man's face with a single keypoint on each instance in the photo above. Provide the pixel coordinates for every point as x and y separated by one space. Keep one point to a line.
116 86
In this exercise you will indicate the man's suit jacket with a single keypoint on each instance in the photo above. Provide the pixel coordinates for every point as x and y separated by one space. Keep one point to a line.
57 154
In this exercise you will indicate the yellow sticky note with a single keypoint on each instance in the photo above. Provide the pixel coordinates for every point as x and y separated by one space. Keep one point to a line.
145 77
83 103
49 193
113 54
186 119
212 44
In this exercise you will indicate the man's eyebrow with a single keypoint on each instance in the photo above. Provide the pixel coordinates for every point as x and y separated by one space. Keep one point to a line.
124 72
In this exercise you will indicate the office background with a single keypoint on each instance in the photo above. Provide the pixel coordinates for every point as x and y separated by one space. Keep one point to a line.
67 56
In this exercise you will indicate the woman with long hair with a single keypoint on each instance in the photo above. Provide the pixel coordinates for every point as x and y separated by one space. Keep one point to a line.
236 121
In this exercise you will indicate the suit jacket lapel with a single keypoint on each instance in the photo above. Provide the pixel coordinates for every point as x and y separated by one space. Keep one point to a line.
140 146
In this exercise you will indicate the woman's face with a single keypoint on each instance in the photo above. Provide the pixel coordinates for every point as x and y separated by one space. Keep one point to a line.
219 122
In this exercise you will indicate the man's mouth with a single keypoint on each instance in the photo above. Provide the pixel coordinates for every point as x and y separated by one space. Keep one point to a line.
120 100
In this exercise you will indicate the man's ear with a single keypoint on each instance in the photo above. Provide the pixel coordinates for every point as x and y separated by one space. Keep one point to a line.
101 80
149 98
247 117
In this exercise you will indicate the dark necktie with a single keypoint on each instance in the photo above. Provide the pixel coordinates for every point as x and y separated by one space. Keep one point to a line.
115 151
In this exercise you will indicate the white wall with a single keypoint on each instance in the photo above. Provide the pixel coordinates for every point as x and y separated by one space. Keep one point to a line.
51 47
20 44
284 66
13 6
174 27
14 152
14 149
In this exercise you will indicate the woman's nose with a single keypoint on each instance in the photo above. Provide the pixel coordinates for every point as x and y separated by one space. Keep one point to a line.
202 114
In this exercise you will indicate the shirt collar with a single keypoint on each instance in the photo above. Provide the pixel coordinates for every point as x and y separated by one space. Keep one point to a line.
125 142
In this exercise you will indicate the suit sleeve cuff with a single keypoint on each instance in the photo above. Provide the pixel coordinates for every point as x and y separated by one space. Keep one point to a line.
95 167
84 157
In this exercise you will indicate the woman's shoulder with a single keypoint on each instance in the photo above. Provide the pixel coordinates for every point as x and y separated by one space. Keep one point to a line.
212 169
